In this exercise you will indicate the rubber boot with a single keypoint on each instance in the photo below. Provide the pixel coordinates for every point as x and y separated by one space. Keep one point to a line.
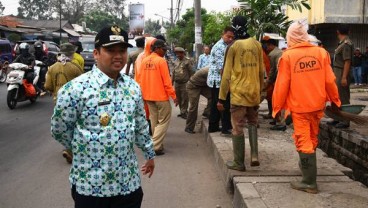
308 166
239 153
253 141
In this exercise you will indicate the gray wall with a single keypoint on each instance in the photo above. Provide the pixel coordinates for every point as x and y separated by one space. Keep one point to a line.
346 11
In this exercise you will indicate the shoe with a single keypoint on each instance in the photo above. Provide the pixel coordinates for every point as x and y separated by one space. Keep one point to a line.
159 152
253 141
360 84
332 123
268 116
342 125
67 154
189 131
273 122
308 167
213 130
239 152
226 133
278 128
179 115
184 116
288 120
42 93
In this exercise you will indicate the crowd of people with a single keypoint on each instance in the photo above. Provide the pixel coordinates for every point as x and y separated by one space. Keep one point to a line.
100 115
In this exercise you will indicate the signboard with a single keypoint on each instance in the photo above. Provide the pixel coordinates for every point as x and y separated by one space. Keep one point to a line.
198 35
136 19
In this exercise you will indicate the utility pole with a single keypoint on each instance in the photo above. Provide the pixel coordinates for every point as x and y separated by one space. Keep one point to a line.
172 14
198 28
60 21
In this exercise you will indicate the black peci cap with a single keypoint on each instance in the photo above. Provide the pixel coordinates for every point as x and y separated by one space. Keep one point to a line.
112 35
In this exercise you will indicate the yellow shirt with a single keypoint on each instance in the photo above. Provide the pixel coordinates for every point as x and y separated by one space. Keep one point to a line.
243 73
78 59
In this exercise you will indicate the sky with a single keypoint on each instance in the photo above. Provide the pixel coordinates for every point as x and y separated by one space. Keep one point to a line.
151 6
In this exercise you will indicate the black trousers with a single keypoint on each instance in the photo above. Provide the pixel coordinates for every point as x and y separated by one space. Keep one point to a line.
133 200
216 115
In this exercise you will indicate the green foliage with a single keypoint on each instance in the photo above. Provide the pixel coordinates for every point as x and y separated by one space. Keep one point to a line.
34 9
13 37
215 24
152 27
212 26
1 8
97 19
267 15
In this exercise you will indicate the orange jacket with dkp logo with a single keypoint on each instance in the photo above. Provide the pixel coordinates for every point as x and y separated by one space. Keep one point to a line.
305 80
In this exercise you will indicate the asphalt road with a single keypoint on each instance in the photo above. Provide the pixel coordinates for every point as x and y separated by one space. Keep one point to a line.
34 175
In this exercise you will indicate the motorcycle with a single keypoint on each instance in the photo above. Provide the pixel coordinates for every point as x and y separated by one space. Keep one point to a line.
4 71
19 76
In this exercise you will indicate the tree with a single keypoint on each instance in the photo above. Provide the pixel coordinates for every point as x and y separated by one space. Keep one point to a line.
152 27
183 33
214 26
35 9
1 8
74 10
97 19
267 15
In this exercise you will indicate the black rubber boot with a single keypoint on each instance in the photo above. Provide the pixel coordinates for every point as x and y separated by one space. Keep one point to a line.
308 166
239 154
253 141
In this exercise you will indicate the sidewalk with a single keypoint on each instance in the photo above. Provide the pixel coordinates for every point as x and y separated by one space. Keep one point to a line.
268 184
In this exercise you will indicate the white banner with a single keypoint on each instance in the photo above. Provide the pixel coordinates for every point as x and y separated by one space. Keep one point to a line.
136 19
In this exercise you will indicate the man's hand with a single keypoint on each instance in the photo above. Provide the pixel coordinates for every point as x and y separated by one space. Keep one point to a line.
220 106
344 82
176 102
148 168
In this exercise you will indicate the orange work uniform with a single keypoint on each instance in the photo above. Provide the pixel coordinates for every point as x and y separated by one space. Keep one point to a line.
137 65
305 82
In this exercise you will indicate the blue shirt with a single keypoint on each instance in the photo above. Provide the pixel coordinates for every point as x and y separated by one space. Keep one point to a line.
203 61
216 64
104 160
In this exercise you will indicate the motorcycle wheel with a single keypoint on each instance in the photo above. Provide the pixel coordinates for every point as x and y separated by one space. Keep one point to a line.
2 77
11 101
33 99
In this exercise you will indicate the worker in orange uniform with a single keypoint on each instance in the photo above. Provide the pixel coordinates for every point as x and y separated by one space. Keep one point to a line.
305 82
157 88
136 72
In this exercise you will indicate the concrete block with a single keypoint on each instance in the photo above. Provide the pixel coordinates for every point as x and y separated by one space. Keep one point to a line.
255 203
247 190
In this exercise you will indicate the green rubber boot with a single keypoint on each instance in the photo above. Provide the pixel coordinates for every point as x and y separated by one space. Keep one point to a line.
253 141
238 149
308 166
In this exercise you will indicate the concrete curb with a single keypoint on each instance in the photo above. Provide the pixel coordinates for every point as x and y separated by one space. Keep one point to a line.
243 185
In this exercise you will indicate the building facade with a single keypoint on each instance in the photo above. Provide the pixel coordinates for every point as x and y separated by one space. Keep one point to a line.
325 16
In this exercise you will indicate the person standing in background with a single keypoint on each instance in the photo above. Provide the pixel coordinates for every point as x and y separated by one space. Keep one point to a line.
341 67
157 89
357 66
77 58
182 72
139 41
196 87
58 75
214 80
204 59
365 67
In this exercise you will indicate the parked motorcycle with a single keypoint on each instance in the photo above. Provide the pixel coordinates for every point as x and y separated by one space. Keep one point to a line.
19 76
4 71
